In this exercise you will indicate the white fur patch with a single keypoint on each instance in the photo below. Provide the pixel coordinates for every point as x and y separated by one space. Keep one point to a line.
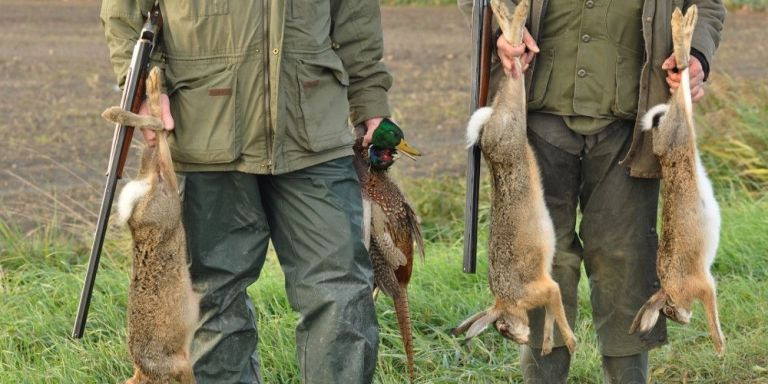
711 212
476 123
129 196
367 223
652 113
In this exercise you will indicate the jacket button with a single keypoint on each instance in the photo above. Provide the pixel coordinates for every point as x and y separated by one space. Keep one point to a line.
581 73
275 51
589 4
586 38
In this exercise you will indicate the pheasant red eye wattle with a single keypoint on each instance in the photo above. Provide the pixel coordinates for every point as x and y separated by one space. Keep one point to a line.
386 144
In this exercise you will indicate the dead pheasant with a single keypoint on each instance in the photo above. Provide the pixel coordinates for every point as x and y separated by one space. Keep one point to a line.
390 226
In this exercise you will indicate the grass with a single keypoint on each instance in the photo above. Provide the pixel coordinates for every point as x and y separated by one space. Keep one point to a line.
43 277
41 274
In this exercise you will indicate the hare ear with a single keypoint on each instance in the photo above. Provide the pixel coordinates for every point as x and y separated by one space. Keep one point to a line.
481 324
648 314
129 196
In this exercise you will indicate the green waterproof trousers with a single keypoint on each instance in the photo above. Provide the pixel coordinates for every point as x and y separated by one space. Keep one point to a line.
616 238
313 217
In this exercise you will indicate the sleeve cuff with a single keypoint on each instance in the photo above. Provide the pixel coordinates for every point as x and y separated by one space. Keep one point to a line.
703 60
370 104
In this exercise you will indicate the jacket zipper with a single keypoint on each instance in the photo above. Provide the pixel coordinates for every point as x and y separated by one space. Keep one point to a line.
267 98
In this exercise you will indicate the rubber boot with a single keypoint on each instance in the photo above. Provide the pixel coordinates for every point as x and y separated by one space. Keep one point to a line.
549 369
631 369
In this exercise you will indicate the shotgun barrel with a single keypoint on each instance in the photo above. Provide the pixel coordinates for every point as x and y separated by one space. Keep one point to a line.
481 57
133 94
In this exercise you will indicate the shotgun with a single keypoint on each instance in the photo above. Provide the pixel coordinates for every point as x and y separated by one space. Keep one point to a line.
133 94
481 59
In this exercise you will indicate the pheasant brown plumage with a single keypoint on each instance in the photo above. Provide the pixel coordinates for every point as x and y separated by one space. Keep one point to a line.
394 228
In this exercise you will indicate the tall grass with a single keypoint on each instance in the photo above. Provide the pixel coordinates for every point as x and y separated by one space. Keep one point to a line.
733 126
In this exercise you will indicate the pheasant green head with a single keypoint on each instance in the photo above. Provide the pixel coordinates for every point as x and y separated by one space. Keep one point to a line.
387 140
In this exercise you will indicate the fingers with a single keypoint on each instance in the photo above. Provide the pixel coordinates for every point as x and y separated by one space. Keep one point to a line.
525 52
370 126
669 64
696 76
529 42
673 80
150 137
527 59
165 113
507 53
697 93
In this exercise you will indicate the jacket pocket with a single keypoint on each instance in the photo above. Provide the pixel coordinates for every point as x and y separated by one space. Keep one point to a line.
540 81
324 108
204 110
627 88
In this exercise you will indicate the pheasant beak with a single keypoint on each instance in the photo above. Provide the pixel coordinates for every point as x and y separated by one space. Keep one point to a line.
407 150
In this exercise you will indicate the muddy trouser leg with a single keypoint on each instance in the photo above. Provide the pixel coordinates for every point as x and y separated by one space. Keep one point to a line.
632 369
227 234
315 215
618 232
561 179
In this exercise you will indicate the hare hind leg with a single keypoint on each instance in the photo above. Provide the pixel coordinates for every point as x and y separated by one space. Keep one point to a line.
548 333
138 377
709 300
682 34
182 369
555 309
546 292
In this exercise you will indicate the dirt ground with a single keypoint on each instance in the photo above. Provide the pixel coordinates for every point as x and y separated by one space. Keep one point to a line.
55 79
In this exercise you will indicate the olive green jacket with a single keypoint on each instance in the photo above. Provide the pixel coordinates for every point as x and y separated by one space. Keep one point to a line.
263 87
657 37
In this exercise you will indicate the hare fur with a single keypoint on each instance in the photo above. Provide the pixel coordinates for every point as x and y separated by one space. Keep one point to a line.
690 213
163 309
522 237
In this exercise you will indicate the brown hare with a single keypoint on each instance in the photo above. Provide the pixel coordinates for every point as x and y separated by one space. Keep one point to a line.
522 239
162 308
690 215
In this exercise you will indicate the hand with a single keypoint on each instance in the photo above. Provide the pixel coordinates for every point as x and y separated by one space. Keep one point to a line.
695 71
370 126
150 136
525 51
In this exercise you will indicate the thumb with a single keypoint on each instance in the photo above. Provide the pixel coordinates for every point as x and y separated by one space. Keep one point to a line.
529 41
669 63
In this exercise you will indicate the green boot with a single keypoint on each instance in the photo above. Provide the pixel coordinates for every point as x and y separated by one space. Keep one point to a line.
631 369
549 369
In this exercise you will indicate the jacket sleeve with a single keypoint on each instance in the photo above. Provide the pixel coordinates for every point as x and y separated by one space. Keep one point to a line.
706 35
122 21
356 33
